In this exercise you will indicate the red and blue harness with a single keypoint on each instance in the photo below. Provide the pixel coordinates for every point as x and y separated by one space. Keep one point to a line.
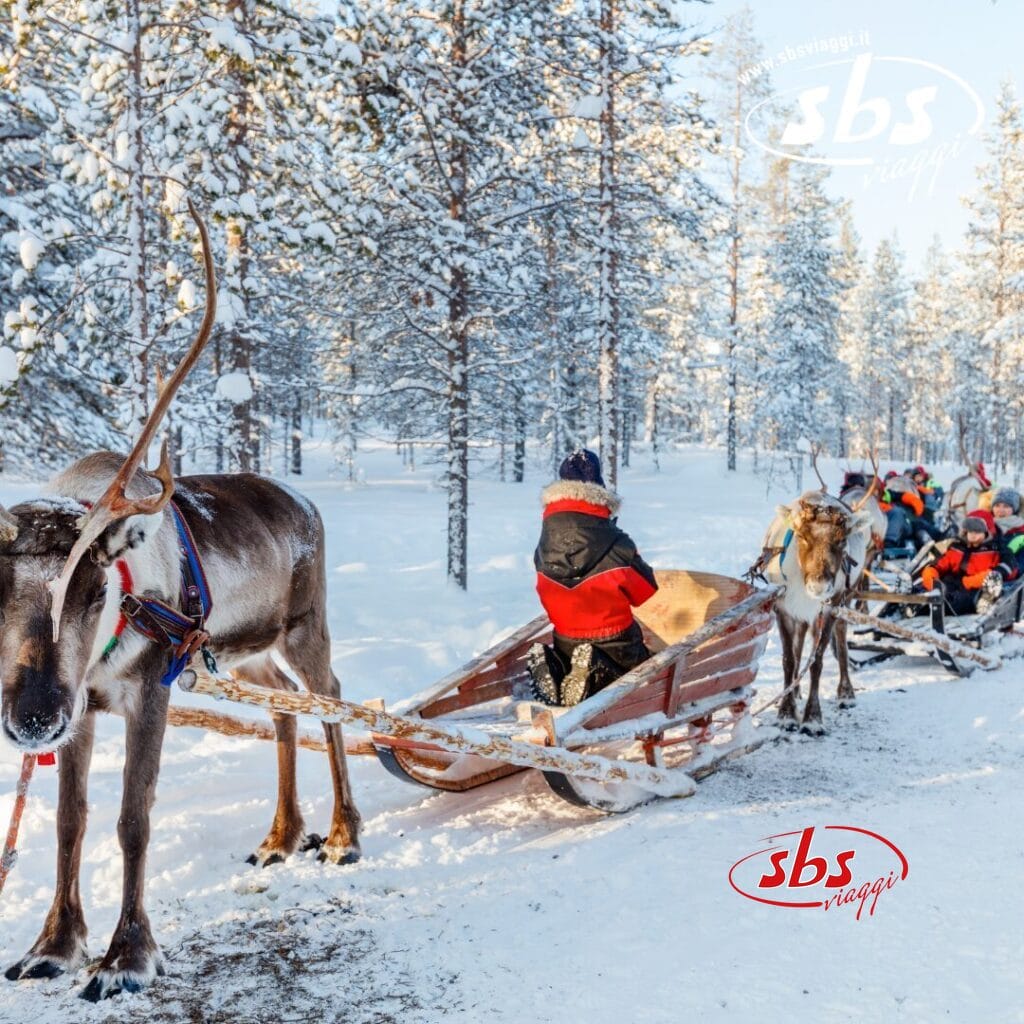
182 632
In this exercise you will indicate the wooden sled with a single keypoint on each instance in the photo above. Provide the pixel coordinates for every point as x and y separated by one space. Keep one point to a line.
872 642
683 712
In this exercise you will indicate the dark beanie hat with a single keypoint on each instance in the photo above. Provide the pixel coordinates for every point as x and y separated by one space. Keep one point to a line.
582 465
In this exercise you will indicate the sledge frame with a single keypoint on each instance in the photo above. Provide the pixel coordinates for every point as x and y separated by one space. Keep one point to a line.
684 711
967 630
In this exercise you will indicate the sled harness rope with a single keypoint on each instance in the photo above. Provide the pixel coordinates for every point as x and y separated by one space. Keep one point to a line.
183 632
757 570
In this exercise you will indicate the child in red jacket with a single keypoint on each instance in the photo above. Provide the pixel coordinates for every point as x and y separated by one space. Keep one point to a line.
589 577
974 568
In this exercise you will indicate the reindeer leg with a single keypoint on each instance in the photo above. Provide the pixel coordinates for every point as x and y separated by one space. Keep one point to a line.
846 694
811 723
788 630
133 959
307 650
61 944
287 831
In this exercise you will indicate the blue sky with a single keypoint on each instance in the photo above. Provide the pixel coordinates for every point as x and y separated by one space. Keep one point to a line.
952 53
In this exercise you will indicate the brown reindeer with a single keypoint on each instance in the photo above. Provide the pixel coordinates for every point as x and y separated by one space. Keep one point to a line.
262 549
817 549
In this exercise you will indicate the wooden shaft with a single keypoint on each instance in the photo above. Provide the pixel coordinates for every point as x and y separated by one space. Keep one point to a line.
227 725
925 636
10 854
892 596
458 740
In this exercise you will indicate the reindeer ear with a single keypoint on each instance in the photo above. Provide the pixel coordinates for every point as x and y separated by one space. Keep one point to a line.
123 536
784 512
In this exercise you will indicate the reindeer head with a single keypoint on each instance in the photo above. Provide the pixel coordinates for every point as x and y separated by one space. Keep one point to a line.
43 696
52 598
821 529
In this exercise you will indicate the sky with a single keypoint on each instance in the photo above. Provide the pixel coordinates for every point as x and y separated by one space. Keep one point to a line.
903 102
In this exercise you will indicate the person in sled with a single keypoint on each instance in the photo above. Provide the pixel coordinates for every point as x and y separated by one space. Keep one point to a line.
930 491
974 567
1006 512
589 577
904 512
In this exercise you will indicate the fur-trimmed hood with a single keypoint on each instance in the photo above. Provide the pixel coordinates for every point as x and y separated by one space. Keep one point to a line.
576 490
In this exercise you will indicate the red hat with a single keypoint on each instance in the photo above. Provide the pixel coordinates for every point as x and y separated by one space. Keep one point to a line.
980 521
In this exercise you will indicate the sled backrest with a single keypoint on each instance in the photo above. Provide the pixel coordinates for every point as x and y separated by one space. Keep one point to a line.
684 602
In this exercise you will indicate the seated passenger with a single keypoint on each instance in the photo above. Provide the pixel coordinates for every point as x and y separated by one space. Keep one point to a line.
1006 512
589 576
904 511
974 568
930 491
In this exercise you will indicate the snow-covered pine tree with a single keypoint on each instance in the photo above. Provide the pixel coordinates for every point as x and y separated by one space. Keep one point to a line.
882 370
995 259
631 56
931 360
802 372
740 88
443 221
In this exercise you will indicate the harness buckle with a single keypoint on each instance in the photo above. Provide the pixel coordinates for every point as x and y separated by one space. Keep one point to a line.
193 602
131 606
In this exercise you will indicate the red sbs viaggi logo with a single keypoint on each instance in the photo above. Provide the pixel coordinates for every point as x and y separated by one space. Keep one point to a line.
829 867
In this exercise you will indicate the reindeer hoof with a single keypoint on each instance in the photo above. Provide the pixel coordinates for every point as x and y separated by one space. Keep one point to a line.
847 702
46 965
813 728
34 967
339 854
273 851
787 723
107 983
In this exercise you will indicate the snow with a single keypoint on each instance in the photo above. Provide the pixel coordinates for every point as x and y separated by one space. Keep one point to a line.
350 54
235 386
8 365
187 294
30 249
589 107
506 903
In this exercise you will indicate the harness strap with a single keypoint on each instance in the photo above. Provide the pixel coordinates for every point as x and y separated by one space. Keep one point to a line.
182 631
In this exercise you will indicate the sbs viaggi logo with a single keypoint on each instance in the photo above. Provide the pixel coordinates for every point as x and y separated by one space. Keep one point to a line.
830 867
895 117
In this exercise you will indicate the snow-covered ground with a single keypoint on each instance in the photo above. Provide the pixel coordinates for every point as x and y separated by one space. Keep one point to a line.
509 904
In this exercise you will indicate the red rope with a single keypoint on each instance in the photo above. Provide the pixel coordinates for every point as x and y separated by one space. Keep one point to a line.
10 854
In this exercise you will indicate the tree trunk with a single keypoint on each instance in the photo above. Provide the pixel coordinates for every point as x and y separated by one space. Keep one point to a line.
458 345
296 438
608 266
137 265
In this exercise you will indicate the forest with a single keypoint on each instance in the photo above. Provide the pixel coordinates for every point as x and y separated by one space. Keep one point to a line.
485 233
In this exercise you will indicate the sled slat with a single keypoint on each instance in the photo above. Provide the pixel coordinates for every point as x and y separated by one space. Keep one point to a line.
659 664
651 699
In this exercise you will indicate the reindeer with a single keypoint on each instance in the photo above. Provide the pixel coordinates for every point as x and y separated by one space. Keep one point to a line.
816 548
262 549
964 493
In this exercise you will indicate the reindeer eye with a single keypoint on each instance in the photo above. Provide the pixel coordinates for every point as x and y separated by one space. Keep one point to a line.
100 597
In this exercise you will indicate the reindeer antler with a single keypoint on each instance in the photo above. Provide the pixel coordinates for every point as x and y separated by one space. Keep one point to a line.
873 455
815 452
115 505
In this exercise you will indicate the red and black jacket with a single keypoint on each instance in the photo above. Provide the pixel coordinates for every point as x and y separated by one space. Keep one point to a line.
966 567
589 574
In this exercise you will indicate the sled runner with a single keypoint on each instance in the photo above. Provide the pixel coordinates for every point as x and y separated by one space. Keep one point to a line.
682 712
908 623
